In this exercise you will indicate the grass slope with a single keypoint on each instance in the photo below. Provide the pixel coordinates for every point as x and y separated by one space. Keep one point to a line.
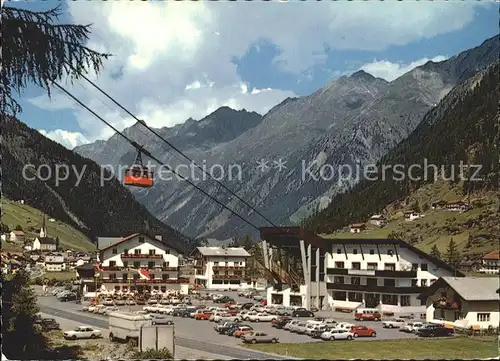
419 349
14 214
437 227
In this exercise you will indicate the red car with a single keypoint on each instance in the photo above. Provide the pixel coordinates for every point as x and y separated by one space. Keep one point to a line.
363 331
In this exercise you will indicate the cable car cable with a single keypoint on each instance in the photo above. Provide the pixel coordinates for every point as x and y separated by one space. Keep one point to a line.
142 122
147 153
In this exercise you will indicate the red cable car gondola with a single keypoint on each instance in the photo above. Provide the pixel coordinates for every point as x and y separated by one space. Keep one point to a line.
138 175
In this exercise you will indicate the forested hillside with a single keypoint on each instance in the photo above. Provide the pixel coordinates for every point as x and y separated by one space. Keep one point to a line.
464 127
107 209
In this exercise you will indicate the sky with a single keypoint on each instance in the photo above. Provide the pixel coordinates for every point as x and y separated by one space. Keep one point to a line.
176 60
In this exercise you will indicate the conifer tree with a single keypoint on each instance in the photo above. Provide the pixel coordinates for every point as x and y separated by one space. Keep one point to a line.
435 252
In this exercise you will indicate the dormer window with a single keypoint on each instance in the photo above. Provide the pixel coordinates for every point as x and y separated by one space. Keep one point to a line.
114 251
355 251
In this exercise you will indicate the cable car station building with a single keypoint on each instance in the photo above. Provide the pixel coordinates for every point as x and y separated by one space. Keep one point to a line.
345 274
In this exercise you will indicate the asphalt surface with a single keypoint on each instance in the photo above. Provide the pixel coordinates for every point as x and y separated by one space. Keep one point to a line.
67 311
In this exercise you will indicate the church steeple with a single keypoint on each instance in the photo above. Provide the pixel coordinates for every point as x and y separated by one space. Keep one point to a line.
43 230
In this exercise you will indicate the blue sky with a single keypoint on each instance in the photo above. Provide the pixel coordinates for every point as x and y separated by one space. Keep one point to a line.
160 90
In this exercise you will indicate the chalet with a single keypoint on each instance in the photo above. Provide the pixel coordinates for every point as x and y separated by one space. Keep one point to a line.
378 220
465 302
439 205
357 228
54 262
17 236
458 206
490 263
411 216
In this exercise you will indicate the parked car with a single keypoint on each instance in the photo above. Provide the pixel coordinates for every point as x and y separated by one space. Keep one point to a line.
151 308
411 326
203 315
300 328
258 337
119 302
223 327
262 317
162 320
140 301
82 332
337 334
108 302
182 312
318 330
302 312
152 301
363 331
242 330
246 306
394 323
434 330
224 299
367 314
67 297
344 326
281 321
290 324
167 310
49 324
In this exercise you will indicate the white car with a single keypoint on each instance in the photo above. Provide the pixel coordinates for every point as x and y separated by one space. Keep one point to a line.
164 301
98 308
301 328
344 326
262 317
394 323
152 301
290 325
82 332
411 326
175 300
217 316
108 302
336 334
167 310
151 308
243 314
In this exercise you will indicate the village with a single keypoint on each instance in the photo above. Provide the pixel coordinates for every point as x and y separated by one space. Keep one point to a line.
331 283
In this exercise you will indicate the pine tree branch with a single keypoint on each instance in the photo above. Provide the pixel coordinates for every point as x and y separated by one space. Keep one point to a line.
36 50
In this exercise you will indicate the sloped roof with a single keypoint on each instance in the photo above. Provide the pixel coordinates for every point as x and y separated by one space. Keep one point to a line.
219 251
470 288
150 237
47 240
18 233
493 255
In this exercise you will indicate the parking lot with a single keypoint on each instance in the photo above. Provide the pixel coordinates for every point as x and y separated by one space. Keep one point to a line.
203 331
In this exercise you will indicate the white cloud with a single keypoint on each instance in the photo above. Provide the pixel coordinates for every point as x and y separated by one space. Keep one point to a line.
65 138
177 57
389 71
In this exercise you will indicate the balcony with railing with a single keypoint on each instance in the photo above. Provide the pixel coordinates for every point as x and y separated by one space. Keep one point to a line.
140 255
371 273
146 282
131 268
224 267
229 277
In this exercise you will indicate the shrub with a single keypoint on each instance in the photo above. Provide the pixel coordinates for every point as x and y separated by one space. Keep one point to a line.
163 353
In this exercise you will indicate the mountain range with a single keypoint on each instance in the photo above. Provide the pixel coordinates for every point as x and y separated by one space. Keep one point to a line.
353 120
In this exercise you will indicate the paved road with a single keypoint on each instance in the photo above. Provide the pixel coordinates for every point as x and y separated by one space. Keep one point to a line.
228 351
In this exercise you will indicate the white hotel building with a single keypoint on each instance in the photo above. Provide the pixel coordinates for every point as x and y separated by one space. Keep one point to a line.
350 273
220 268
138 262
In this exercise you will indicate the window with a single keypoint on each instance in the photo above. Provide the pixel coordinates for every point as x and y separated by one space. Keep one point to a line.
152 252
339 264
390 299
424 267
112 263
151 265
389 282
339 251
372 251
137 251
355 280
371 282
125 264
137 264
152 276
339 280
164 276
114 251
167 251
371 266
141 239
124 276
355 251
112 276
355 297
125 251
339 295
356 265
135 276
216 263
405 300
390 252
483 317
414 266
414 283
389 266
423 283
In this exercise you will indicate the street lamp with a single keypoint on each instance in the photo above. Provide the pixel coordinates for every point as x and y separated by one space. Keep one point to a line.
96 277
